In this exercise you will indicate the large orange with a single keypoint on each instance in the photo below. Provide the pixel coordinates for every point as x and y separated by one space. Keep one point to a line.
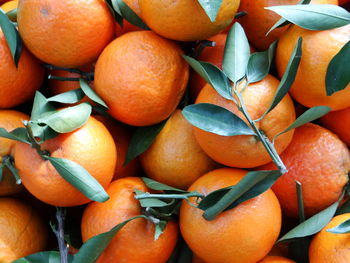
247 151
243 234
320 162
91 146
175 158
318 48
135 241
185 20
9 120
276 259
22 231
327 247
142 77
17 85
65 33
259 20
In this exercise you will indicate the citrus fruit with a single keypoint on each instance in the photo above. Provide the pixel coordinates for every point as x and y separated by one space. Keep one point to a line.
142 77
10 5
90 146
185 20
135 241
65 33
245 233
276 259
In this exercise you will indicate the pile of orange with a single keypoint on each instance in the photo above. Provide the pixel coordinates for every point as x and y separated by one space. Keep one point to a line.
145 82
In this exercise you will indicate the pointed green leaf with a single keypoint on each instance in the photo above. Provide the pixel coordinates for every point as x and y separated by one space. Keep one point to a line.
160 227
69 97
41 107
342 228
43 257
150 202
91 93
112 9
1 171
126 12
338 75
43 132
211 8
154 185
216 119
81 179
8 163
19 134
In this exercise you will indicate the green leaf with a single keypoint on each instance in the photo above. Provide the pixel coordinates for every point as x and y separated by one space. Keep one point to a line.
237 53
211 8
342 228
1 171
212 75
126 12
92 249
115 14
91 93
313 17
41 107
18 134
12 37
43 257
216 119
259 64
345 208
69 97
150 202
43 132
159 228
142 139
338 75
68 119
154 185
81 179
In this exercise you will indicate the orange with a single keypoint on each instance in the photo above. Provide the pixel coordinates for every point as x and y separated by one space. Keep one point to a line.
320 162
175 158
185 20
17 85
338 122
327 247
9 120
318 48
10 5
135 241
65 33
91 146
245 233
259 20
247 151
276 259
22 231
142 77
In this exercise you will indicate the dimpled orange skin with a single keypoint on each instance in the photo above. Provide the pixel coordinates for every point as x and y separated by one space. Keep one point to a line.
65 33
22 231
318 49
185 20
259 20
320 162
17 85
327 247
245 151
276 259
245 233
142 77
91 146
135 241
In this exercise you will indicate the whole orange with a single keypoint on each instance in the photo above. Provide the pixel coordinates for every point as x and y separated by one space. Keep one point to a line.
247 151
142 77
65 33
185 20
245 233
135 241
9 120
91 146
175 158
10 5
320 162
318 49
22 231
329 247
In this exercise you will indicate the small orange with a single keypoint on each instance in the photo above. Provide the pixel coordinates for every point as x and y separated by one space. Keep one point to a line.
142 77
135 241
328 247
276 259
10 5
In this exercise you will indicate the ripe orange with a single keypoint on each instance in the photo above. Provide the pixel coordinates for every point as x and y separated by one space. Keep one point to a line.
10 5
258 20
22 231
65 33
142 77
318 48
328 247
276 259
320 162
135 241
243 234
175 158
91 146
246 151
17 85
185 20
9 120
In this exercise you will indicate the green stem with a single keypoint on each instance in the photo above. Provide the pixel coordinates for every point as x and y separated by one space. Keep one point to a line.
62 78
168 196
33 142
301 210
